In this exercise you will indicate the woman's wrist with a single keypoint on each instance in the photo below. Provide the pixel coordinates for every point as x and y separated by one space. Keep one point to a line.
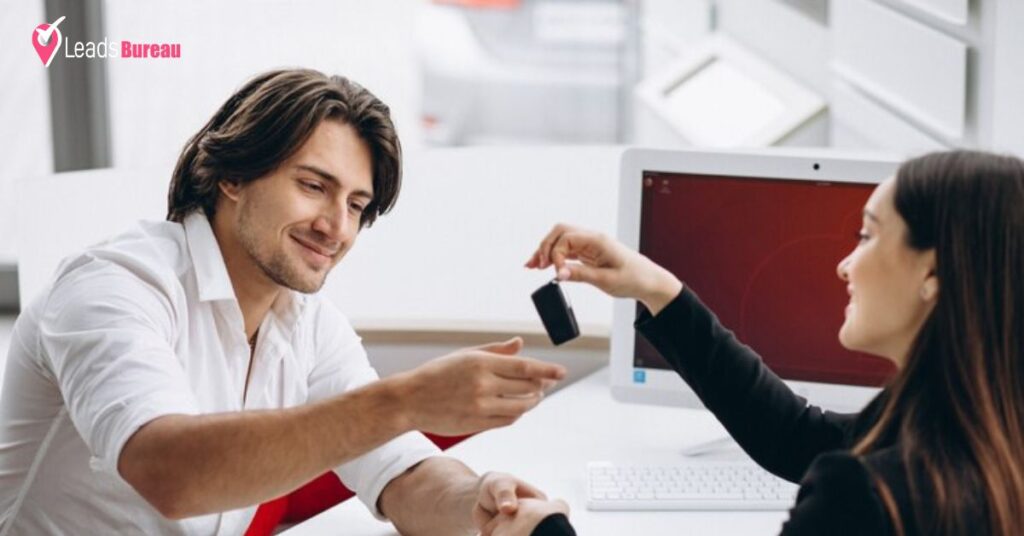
662 287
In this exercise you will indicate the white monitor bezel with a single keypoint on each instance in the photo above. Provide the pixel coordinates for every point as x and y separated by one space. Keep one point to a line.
665 387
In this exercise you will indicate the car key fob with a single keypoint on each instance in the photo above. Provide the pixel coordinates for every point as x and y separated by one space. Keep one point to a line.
556 313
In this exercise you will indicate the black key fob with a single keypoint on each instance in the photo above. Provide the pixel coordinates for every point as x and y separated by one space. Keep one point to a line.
555 313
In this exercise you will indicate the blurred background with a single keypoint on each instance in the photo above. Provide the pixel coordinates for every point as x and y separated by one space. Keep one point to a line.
900 76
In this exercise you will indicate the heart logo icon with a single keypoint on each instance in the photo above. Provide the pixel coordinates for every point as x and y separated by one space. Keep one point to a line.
46 39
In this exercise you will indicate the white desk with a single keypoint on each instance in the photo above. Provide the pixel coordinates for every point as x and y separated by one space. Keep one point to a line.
550 447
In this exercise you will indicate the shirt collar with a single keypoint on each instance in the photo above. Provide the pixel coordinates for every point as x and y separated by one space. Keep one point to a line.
211 274
212 277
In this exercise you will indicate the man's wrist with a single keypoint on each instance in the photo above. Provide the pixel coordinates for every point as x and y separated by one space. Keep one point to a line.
391 397
436 496
465 495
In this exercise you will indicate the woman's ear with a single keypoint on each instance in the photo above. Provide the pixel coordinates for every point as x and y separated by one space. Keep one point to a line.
930 289
930 285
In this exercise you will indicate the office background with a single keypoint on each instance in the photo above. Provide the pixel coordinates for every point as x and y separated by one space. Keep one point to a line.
471 80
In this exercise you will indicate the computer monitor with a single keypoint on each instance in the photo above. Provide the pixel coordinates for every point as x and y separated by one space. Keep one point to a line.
757 235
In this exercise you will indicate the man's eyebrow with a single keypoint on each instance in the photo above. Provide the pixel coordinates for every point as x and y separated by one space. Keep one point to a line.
869 215
329 177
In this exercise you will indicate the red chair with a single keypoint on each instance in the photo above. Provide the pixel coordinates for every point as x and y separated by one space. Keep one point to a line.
320 494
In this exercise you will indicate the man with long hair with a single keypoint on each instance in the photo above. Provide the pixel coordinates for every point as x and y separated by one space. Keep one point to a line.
174 377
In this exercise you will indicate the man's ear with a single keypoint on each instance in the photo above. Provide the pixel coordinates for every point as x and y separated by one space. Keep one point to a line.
231 190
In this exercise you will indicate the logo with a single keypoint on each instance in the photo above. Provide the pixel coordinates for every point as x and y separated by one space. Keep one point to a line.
639 376
46 39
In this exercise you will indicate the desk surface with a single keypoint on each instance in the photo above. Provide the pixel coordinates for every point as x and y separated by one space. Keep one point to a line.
550 448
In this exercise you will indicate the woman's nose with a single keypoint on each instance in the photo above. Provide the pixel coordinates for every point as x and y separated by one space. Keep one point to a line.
841 268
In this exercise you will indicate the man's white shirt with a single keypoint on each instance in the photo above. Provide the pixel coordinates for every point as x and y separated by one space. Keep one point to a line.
145 325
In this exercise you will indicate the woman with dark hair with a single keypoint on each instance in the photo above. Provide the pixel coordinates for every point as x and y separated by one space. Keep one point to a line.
935 284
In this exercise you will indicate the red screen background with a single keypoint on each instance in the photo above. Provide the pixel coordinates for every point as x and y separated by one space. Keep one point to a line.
762 255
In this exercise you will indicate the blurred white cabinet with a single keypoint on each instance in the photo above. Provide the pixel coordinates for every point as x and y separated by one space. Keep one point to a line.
791 40
862 123
912 67
953 11
721 95
902 75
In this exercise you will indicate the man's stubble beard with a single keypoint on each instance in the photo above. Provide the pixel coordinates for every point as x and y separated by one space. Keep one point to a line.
278 266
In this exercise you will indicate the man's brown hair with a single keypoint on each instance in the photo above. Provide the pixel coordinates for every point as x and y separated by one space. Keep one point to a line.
266 121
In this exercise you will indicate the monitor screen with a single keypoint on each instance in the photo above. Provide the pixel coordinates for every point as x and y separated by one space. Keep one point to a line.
762 254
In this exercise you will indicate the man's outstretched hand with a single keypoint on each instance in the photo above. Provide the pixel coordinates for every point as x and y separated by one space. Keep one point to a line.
474 389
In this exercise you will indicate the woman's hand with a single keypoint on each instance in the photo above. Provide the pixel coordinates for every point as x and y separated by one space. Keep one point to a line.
526 518
606 264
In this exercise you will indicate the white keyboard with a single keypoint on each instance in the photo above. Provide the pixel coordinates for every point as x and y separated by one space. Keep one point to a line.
704 485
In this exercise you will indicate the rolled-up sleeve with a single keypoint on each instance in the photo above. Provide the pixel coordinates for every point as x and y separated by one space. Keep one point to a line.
106 334
341 365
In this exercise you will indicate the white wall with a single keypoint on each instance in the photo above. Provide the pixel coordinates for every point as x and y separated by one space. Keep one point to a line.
448 257
1007 110
24 112
156 105
467 220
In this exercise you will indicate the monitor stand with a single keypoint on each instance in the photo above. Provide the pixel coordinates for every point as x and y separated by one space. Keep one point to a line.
718 446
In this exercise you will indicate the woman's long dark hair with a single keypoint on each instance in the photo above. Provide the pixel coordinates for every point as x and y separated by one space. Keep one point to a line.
957 407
